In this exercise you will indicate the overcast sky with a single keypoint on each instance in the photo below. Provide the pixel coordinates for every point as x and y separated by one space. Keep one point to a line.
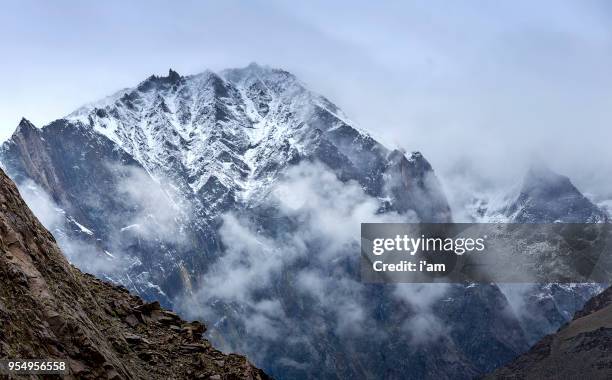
487 82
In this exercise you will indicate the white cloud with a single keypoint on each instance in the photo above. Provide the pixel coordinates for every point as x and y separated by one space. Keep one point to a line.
41 204
423 326
154 212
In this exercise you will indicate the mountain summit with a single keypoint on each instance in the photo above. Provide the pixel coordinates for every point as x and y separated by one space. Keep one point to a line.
222 138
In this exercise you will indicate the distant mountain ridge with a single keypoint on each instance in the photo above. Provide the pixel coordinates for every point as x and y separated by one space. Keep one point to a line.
547 197
540 196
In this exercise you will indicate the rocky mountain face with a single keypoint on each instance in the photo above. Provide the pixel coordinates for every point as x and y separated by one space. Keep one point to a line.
193 148
542 196
234 197
579 349
547 197
50 309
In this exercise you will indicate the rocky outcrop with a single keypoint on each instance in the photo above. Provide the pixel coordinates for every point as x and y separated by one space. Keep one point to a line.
580 349
49 309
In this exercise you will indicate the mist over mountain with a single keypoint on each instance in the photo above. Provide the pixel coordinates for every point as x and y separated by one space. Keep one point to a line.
237 197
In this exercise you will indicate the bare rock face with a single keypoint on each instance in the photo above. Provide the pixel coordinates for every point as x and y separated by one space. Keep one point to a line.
49 309
579 350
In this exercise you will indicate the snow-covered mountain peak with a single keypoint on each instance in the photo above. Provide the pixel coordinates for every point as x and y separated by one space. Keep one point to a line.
231 127
541 196
540 178
254 90
275 80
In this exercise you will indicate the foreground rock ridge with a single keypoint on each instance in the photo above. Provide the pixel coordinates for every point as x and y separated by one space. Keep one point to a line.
581 349
50 309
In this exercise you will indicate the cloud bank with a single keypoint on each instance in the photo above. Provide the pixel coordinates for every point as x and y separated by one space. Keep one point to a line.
312 257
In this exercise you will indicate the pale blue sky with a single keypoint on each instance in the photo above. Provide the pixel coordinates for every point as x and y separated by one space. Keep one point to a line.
494 81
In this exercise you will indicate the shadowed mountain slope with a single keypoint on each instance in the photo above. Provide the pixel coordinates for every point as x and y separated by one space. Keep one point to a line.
581 349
